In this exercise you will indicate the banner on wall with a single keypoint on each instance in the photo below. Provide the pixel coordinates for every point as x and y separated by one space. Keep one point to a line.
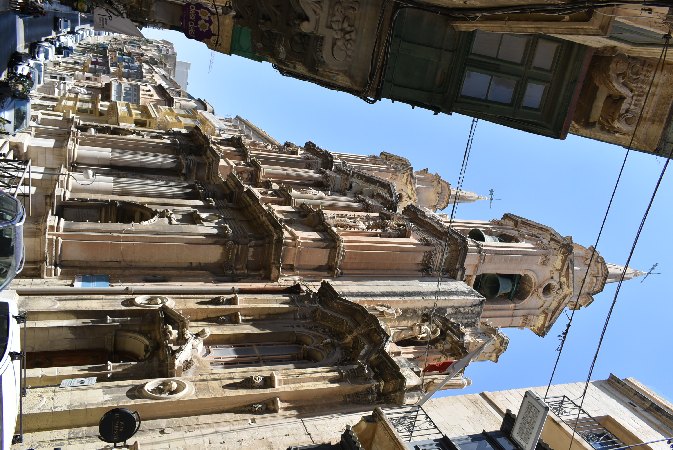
197 21
201 23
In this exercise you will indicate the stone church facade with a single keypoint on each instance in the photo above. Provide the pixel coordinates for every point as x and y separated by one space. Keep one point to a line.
193 269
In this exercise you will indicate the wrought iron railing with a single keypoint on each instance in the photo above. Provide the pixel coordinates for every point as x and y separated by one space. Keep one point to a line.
16 179
585 426
412 423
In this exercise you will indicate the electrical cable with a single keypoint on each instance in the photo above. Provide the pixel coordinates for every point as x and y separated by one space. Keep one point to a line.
542 8
619 286
564 334
667 37
461 178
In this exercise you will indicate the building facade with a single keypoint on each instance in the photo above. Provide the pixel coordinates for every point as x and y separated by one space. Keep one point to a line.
616 413
193 269
552 68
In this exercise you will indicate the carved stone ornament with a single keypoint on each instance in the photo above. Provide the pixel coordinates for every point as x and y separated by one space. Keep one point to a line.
163 389
312 9
342 20
255 382
152 301
224 300
271 405
229 257
368 396
387 311
233 318
622 82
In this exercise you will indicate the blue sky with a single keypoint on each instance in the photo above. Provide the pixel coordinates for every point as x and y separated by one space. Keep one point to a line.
563 184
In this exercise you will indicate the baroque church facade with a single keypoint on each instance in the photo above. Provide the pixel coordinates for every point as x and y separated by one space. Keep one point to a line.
193 269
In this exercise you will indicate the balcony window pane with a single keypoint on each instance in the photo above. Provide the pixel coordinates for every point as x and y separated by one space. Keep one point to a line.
532 98
475 84
486 44
512 48
501 90
545 52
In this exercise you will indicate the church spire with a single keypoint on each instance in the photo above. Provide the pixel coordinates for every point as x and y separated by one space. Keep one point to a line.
465 196
615 273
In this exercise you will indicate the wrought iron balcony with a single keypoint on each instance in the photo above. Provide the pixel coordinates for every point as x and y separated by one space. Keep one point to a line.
412 423
585 426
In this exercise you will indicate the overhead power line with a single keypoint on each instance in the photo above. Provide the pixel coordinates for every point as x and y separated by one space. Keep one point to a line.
623 275
569 7
459 185
564 334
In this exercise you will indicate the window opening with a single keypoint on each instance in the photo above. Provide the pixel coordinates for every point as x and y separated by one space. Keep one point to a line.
513 70
247 354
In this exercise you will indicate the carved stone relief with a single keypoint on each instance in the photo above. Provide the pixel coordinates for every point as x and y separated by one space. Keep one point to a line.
342 19
622 83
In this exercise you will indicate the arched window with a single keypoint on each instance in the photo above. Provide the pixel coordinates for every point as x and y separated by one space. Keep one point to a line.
491 236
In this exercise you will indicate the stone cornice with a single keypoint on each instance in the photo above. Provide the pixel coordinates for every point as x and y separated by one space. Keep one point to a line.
262 216
320 222
631 389
527 224
367 339
384 189
326 158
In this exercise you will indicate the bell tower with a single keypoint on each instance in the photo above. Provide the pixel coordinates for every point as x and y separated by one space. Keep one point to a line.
529 273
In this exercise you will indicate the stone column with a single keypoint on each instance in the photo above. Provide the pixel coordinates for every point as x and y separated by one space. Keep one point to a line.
113 157
80 186
292 174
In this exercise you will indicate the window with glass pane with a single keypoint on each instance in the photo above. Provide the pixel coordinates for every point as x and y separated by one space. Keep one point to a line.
486 44
501 90
506 47
512 48
488 87
532 98
545 52
475 84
